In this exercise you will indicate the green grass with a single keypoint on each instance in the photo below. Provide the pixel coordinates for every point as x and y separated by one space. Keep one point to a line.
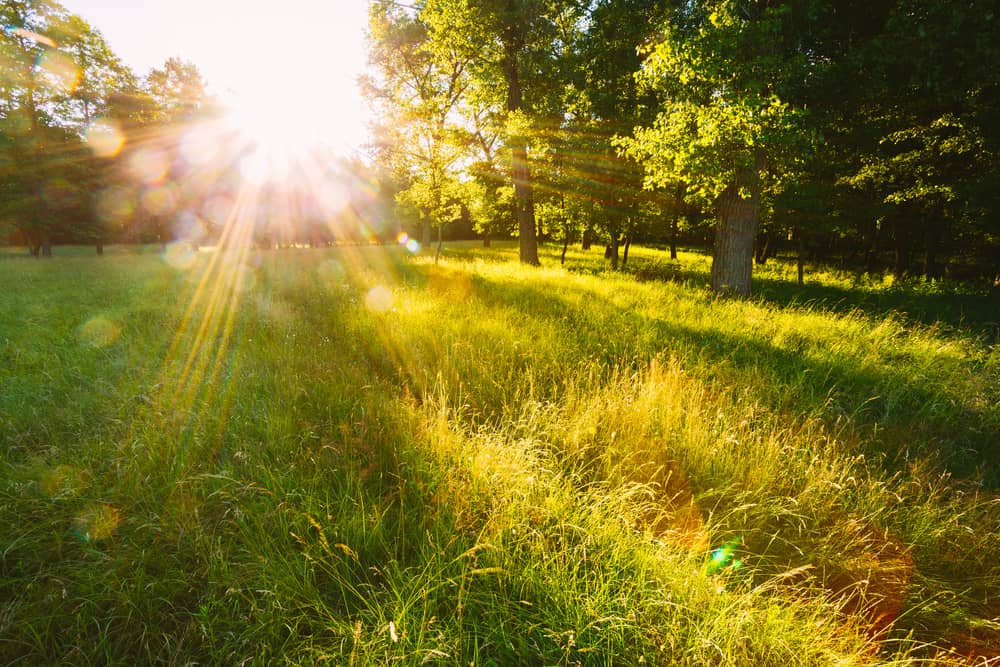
360 457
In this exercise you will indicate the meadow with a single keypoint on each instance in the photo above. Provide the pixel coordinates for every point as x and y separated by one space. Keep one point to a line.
357 456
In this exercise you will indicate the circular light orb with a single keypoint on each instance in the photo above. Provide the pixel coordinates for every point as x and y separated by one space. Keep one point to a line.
99 332
180 255
97 522
379 299
105 138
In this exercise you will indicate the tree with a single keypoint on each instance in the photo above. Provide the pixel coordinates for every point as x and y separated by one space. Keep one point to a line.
417 89
515 43
36 75
927 151
58 88
728 74
178 90
606 102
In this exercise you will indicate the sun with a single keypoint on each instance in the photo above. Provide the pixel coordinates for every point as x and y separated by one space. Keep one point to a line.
291 120
289 94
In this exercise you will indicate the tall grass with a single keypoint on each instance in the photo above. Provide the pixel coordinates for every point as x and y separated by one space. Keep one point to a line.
361 457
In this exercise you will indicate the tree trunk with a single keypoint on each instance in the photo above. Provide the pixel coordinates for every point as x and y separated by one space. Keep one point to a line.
520 169
437 252
763 248
901 239
425 233
100 248
527 241
587 240
611 251
673 238
487 240
800 262
738 217
872 254
562 259
628 244
34 246
932 246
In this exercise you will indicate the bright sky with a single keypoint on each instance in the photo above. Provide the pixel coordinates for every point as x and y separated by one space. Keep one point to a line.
291 65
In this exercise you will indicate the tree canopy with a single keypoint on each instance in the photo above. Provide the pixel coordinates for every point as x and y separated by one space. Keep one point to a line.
800 120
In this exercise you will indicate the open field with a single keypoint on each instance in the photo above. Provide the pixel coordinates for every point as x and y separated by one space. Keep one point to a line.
356 456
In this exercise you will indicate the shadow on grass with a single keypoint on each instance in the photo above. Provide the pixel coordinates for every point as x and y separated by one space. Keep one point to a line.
898 416
959 306
956 308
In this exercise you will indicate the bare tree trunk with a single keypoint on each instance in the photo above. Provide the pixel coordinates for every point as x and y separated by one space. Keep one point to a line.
527 241
425 233
763 252
800 262
932 245
901 238
437 252
738 217
611 251
872 253
628 244
521 170
673 238
562 259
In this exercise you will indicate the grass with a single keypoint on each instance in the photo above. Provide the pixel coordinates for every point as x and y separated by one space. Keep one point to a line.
357 457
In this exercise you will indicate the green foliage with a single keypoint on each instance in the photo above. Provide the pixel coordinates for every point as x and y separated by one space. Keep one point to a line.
68 107
417 90
727 98
177 89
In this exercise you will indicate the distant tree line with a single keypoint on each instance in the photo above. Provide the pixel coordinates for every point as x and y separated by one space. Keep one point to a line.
862 132
91 153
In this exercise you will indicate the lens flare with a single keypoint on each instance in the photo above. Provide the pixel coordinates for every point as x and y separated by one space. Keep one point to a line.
199 145
116 204
62 480
189 227
105 138
256 168
99 332
724 556
332 272
63 72
33 36
379 299
180 255
97 522
159 200
149 165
